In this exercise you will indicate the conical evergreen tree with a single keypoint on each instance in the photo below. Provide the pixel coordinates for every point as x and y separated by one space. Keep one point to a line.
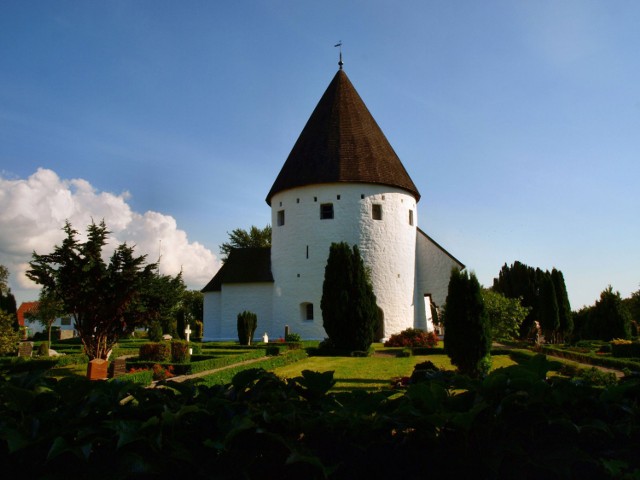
467 339
548 307
349 310
564 307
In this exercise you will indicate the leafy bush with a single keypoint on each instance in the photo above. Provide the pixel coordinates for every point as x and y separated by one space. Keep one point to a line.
155 331
9 337
292 337
622 348
412 337
155 352
514 423
43 349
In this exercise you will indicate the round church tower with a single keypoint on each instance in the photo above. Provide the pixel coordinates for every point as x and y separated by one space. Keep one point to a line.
342 182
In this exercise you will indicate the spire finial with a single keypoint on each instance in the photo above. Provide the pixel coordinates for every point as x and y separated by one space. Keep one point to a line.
339 44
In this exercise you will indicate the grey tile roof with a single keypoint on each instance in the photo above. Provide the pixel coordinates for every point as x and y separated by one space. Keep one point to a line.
342 142
244 265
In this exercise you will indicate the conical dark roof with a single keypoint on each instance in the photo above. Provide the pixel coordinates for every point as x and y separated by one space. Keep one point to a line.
341 142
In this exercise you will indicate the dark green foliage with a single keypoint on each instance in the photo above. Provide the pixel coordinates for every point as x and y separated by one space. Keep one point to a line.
609 318
9 337
349 311
565 316
531 285
102 298
515 423
247 325
467 339
625 349
155 331
548 308
520 281
240 238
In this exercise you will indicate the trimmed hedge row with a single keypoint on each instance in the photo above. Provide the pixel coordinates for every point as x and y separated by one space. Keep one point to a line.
225 376
617 363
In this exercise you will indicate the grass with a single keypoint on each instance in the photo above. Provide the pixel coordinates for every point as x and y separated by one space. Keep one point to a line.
370 373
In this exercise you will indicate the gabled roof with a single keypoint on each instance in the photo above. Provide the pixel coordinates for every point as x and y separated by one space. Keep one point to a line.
244 265
25 307
342 142
441 248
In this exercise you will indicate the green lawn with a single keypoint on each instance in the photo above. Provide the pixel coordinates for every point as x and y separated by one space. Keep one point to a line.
370 373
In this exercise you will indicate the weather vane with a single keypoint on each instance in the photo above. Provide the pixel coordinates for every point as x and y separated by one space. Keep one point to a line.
339 44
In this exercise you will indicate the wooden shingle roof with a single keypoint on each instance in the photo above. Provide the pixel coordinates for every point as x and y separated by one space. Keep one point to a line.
342 142
244 265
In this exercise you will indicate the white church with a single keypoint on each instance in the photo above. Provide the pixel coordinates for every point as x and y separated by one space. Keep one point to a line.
342 182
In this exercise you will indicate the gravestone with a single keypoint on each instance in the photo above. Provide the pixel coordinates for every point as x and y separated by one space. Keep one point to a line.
97 369
118 367
25 349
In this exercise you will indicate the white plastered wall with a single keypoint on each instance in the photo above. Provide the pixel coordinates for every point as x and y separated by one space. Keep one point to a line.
232 300
433 270
300 249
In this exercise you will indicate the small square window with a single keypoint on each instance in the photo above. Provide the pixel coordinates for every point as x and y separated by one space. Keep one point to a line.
309 311
280 218
376 211
65 321
362 196
338 197
410 217
326 211
297 200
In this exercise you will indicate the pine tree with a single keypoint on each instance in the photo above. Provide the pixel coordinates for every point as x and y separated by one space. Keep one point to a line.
467 339
349 310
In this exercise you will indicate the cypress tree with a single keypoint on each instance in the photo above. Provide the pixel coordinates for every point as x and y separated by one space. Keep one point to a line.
467 339
349 310
564 307
548 307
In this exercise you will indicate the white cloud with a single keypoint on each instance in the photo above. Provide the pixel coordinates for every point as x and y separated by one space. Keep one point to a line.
33 212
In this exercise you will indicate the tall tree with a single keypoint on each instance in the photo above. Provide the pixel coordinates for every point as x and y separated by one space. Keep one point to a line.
520 281
565 316
97 295
349 310
467 338
7 300
609 317
548 307
240 238
190 311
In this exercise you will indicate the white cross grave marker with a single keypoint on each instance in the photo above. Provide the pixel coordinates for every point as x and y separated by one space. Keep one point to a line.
187 332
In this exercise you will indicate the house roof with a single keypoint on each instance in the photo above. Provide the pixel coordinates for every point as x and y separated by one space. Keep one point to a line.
342 142
244 265
441 248
24 308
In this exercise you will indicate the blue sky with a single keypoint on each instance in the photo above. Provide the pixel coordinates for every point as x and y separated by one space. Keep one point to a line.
519 122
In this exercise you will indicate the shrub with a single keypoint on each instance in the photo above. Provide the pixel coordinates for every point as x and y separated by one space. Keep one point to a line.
43 349
292 337
155 331
247 324
412 337
155 352
179 351
625 348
